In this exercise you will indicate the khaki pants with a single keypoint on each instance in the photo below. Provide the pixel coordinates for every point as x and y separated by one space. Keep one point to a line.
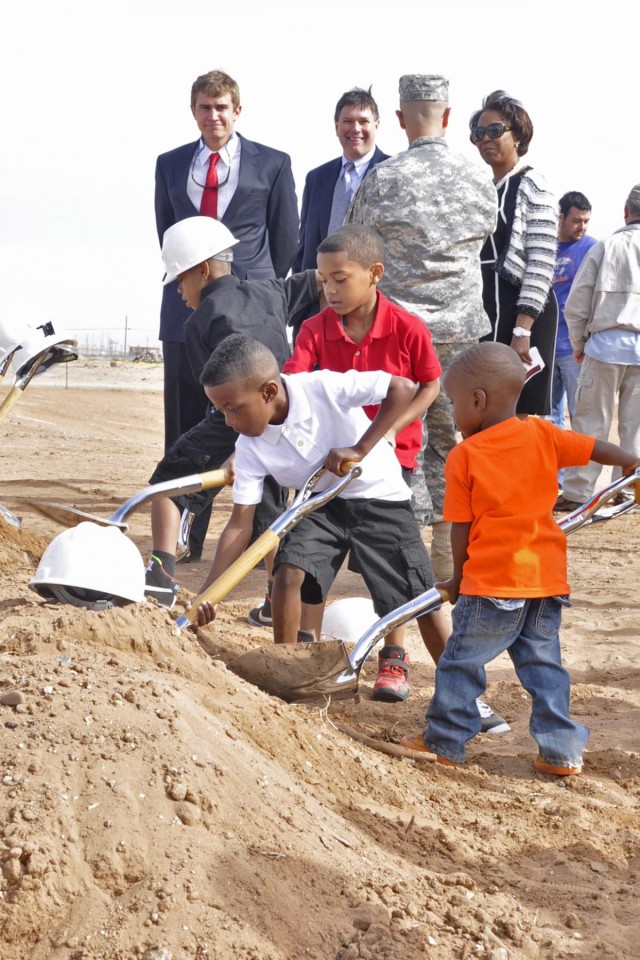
599 386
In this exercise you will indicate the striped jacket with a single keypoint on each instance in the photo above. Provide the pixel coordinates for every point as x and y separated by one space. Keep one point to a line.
528 258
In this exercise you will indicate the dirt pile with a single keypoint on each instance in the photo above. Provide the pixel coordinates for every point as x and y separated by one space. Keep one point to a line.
153 805
153 801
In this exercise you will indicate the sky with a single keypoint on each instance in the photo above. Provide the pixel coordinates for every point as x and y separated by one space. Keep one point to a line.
92 93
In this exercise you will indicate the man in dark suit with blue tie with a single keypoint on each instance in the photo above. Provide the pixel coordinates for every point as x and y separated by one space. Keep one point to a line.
328 189
249 188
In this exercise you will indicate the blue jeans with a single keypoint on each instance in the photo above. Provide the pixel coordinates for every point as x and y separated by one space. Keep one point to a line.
530 634
563 389
563 394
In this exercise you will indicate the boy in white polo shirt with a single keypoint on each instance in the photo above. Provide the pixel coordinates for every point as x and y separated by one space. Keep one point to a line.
289 426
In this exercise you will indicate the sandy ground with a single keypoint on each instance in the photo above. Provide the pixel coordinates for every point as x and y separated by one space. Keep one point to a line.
153 805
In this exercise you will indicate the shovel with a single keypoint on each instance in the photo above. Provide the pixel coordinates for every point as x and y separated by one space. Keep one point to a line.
303 504
70 517
312 673
9 517
20 384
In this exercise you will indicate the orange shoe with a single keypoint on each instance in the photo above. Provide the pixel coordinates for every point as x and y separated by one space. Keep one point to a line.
554 769
416 742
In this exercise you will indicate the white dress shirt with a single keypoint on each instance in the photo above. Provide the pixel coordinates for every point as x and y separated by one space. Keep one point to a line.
228 164
360 168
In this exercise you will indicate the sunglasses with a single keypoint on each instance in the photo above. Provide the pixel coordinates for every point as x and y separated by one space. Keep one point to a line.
220 183
494 131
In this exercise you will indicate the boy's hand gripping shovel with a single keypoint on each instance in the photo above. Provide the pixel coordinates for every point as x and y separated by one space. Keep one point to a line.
315 672
303 504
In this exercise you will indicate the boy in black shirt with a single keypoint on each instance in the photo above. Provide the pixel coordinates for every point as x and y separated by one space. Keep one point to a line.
197 252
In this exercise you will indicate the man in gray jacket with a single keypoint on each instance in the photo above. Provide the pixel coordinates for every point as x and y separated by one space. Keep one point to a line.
603 317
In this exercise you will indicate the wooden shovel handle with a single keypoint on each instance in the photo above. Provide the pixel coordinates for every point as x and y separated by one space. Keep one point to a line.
9 402
234 574
217 478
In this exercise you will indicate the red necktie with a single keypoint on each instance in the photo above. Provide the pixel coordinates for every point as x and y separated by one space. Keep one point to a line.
209 202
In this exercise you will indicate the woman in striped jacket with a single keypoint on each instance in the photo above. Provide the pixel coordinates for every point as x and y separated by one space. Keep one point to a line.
518 258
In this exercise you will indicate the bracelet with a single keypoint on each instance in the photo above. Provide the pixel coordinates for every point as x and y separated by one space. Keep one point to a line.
521 332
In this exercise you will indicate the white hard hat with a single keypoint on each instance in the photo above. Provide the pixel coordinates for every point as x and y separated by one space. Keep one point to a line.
193 241
27 343
91 566
348 619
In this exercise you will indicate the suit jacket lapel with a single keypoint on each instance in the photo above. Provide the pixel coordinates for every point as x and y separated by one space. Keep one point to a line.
182 172
247 176
325 195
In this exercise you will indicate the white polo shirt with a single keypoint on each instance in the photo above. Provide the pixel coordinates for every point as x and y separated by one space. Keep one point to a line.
325 411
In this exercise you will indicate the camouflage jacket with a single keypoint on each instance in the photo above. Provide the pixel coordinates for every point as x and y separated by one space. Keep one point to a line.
433 209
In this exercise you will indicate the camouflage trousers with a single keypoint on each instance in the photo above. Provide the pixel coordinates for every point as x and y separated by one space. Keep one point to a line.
438 437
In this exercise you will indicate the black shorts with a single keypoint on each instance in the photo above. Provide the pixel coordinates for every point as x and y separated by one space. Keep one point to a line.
352 563
384 538
206 447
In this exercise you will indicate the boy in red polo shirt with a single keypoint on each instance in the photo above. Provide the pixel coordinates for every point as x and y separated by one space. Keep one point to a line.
361 330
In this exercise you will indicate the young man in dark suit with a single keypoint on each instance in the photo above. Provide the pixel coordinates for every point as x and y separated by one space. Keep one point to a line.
249 188
329 188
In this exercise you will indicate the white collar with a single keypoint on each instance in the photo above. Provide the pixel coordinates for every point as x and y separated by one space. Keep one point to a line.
361 161
227 152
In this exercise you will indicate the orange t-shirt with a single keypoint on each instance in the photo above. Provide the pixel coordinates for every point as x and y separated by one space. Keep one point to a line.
504 481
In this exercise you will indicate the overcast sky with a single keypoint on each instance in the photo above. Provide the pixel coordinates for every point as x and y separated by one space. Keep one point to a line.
92 93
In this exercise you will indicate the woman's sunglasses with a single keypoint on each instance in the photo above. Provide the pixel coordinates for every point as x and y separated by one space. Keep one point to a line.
494 131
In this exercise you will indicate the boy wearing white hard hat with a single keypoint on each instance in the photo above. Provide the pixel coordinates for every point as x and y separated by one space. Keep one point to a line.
197 252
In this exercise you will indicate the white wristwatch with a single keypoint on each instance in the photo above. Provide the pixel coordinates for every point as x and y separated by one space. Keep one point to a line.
521 332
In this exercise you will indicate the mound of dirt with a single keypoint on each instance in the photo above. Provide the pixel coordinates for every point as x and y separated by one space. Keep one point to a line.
155 805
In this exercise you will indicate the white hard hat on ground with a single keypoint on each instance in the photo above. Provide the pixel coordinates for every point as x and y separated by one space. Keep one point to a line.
192 241
348 619
91 566
27 343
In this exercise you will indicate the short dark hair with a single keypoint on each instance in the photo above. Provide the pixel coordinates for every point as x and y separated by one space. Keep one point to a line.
215 84
573 199
633 206
361 244
513 112
490 366
238 358
357 97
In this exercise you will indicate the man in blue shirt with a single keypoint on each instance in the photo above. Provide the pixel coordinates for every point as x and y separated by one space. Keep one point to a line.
573 244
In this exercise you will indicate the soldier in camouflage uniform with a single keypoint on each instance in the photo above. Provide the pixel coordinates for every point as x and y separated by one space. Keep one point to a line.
433 210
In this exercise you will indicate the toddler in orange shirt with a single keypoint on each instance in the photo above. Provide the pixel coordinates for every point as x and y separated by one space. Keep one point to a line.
510 578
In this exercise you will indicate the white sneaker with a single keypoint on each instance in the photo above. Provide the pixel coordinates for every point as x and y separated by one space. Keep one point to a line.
491 722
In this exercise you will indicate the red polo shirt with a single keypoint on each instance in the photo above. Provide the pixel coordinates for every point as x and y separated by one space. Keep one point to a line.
398 342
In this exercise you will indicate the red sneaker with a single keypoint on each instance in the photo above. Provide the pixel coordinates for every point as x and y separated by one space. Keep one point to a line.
393 668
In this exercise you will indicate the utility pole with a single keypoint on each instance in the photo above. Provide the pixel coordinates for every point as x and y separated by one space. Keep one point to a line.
126 321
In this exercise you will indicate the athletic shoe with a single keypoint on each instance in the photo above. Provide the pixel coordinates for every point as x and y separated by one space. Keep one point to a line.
189 557
160 584
564 505
393 668
260 616
416 742
556 770
306 636
491 722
